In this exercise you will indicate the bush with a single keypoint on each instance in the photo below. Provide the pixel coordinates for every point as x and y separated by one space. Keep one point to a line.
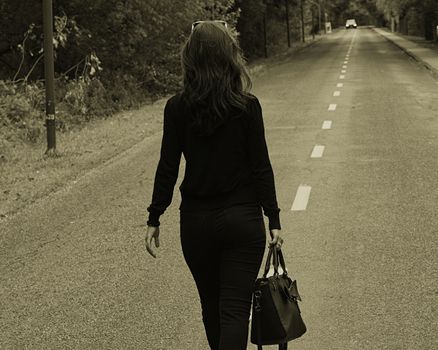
19 105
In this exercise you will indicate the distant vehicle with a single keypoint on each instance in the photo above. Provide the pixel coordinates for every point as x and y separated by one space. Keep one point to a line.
351 23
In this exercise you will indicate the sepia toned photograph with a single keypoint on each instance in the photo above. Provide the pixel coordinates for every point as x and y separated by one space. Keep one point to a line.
219 174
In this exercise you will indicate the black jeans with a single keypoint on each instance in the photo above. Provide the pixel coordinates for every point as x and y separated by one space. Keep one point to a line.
224 249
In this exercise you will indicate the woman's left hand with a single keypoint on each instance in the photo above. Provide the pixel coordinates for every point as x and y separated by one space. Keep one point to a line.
152 233
276 241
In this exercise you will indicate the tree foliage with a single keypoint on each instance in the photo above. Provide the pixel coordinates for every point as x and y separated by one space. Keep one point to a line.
421 14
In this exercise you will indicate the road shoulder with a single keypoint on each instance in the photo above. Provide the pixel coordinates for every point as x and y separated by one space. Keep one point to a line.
424 55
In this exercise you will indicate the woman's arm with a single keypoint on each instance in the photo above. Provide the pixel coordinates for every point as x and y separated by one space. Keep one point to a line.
261 166
168 166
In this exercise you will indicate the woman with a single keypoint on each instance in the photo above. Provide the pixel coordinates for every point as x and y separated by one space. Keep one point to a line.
218 126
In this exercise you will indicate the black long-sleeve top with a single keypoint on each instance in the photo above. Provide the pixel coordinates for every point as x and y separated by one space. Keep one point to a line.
230 167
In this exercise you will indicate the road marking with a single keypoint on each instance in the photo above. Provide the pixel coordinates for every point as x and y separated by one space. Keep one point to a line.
340 85
332 107
337 93
343 71
346 61
327 125
342 77
301 198
317 152
344 66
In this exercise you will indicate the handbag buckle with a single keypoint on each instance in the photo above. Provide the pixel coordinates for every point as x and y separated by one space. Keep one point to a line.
257 296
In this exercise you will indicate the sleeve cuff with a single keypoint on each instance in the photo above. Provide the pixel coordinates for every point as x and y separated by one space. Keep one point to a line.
154 217
274 221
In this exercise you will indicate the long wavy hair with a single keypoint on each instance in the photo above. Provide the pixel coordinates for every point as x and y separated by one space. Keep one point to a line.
216 82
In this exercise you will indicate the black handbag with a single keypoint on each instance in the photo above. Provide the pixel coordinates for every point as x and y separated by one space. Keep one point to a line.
276 317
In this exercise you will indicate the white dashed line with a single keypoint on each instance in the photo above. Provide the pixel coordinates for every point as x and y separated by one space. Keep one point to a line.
342 77
332 107
343 71
317 152
345 62
337 93
301 198
344 66
340 85
327 125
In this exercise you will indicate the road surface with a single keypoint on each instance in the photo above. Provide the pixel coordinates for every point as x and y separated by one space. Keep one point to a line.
351 124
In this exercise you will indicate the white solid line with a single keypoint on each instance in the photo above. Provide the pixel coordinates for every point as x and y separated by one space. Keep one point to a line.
327 125
342 77
343 71
337 93
332 107
317 152
301 198
340 85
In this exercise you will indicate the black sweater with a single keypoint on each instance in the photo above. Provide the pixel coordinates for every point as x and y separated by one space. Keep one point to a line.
230 167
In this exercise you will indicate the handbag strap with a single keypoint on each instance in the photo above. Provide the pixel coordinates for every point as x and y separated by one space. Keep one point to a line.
282 262
259 334
268 263
278 260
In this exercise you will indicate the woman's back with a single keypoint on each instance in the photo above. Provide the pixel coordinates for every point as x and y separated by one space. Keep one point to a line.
217 163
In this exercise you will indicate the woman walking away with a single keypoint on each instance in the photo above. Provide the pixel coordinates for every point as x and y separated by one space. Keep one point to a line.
218 126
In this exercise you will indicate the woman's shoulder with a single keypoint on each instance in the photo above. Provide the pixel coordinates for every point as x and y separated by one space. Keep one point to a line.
175 100
253 104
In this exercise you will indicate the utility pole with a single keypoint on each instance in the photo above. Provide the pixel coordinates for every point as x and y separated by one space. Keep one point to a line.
303 38
49 73
287 22
313 25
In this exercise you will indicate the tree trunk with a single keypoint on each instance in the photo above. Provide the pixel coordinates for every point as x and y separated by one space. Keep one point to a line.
428 26
287 22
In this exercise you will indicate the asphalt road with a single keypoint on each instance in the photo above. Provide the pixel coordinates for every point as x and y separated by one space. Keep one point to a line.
74 273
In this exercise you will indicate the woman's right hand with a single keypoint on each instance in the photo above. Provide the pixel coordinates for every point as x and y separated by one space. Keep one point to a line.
276 240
